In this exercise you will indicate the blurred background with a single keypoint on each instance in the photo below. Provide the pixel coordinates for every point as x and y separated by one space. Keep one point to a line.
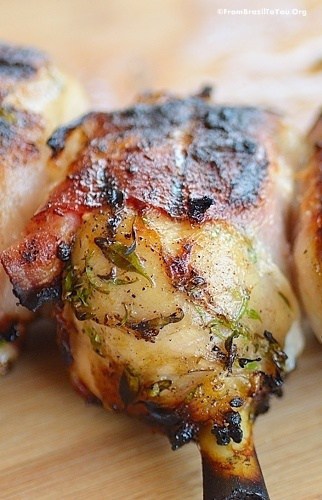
118 48
51 446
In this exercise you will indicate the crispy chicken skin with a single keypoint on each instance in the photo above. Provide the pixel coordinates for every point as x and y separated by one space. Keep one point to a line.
308 241
166 242
34 98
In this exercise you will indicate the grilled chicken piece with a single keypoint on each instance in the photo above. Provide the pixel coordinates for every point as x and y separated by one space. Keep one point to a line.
34 98
167 240
308 241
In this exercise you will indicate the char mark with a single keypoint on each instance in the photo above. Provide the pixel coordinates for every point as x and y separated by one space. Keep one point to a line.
187 157
191 159
34 298
17 63
57 141
11 333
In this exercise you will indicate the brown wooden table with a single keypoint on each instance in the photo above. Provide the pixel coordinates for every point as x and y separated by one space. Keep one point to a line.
51 444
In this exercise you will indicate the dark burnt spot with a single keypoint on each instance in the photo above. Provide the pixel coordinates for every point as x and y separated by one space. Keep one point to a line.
36 297
229 430
63 251
160 416
129 386
245 361
30 253
114 196
58 139
206 92
197 281
198 206
231 350
262 405
278 355
220 355
18 63
236 402
233 420
144 331
182 434
222 434
245 190
15 70
149 329
249 146
218 484
269 336
232 119
213 143
270 383
11 334
175 423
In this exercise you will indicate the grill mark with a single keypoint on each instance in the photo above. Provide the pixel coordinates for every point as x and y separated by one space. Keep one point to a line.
16 70
181 143
189 159
186 157
17 63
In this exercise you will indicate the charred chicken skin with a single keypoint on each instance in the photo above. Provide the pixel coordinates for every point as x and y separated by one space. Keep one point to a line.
34 98
308 242
166 249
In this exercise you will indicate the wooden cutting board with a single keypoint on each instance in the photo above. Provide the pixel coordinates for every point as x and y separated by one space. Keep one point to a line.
51 444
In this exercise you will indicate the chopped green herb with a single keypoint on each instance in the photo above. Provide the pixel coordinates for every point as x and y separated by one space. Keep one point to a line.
149 329
253 366
103 283
77 291
253 314
96 340
122 256
250 363
193 393
158 387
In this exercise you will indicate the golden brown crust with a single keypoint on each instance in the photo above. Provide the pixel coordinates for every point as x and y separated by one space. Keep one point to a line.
185 157
39 256
188 158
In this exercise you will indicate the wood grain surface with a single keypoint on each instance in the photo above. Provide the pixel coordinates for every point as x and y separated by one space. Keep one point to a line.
51 444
